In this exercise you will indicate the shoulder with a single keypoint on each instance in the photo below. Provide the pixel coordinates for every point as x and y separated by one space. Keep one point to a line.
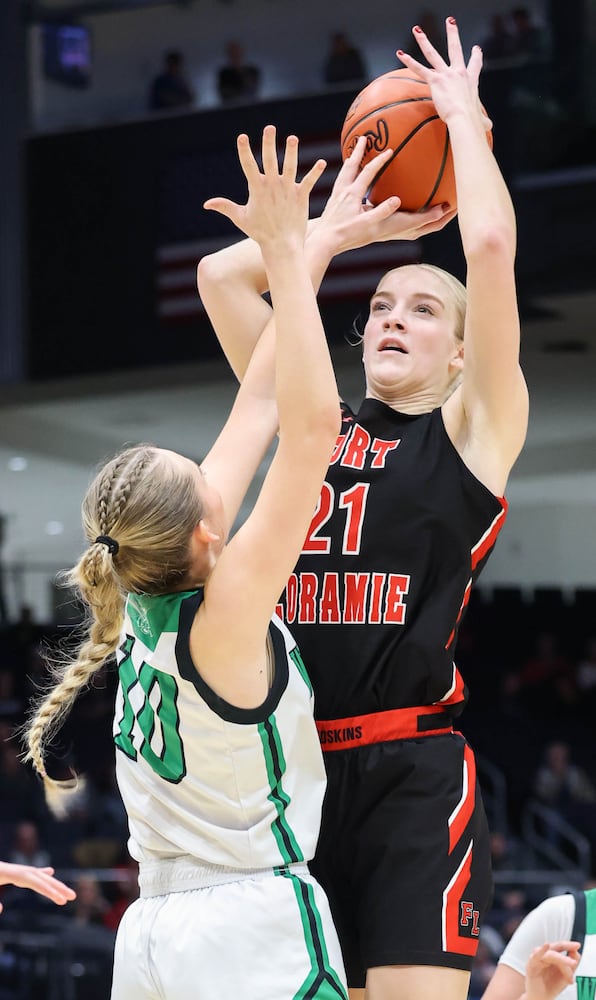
551 920
554 913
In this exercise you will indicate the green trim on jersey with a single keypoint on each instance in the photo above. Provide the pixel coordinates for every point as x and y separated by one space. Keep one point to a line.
299 662
151 616
590 895
276 768
322 982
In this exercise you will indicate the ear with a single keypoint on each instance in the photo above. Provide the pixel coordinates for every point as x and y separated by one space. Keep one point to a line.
457 361
204 534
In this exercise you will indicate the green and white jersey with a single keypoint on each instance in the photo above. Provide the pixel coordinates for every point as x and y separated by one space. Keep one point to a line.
198 776
568 917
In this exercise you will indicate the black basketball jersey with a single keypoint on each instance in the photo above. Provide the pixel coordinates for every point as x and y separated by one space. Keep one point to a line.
401 531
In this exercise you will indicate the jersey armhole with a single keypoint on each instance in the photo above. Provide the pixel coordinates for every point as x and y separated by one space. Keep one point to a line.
578 931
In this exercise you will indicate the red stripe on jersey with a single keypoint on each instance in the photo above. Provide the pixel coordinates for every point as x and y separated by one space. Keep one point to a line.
489 538
455 695
457 912
460 816
464 605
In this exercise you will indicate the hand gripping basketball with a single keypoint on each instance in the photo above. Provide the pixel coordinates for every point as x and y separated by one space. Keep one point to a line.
407 110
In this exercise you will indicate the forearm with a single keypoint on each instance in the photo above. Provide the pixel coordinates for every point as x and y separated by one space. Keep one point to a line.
231 284
485 209
306 389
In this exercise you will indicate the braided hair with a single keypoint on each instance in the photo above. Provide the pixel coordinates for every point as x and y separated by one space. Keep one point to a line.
146 506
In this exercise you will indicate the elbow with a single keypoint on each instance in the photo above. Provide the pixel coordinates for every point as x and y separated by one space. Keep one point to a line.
208 272
326 426
311 441
491 242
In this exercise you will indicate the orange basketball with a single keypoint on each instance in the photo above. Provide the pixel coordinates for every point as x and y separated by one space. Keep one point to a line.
397 110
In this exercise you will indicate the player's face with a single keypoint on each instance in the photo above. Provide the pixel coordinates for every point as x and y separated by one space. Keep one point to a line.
409 341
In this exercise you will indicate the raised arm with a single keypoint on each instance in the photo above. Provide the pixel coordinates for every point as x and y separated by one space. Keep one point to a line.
491 425
232 281
254 566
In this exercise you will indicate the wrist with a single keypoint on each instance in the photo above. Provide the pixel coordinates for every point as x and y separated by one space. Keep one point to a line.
323 241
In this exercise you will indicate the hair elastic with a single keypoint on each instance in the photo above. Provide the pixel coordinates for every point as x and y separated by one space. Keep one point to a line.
111 543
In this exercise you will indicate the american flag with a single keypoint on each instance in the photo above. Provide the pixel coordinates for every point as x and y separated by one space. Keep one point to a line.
352 274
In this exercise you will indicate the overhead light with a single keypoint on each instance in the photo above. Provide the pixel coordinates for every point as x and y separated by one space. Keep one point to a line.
17 463
54 528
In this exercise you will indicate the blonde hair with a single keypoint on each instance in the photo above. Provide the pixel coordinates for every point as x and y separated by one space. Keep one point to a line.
149 505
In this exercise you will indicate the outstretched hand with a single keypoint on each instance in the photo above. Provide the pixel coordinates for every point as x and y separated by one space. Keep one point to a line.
277 206
550 969
41 880
350 221
453 84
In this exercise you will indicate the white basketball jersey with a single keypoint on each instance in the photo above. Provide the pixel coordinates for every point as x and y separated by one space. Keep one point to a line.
200 777
570 916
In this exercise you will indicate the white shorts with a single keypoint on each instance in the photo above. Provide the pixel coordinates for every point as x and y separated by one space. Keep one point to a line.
265 935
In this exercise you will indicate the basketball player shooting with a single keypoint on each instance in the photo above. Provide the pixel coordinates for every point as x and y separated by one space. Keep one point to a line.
410 511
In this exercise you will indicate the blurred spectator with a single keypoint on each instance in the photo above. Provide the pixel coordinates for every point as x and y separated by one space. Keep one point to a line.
508 911
528 38
110 819
344 62
559 782
566 787
237 79
21 796
26 848
499 43
530 75
171 89
506 852
585 677
23 906
91 905
85 943
127 890
11 706
78 841
544 685
18 643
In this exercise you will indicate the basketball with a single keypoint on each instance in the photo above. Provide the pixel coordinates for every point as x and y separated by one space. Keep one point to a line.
397 110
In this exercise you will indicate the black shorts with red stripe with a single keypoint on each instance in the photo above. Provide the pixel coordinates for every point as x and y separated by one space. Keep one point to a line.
404 852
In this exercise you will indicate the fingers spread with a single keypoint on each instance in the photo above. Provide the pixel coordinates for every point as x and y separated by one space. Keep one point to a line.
290 164
456 55
310 179
428 50
247 160
269 150
224 206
